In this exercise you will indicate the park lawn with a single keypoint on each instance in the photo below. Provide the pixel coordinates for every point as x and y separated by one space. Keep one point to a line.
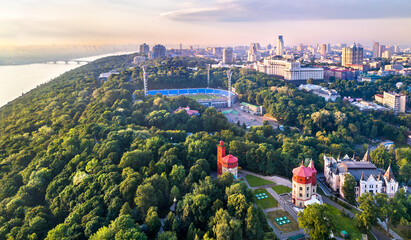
403 230
285 228
280 189
320 191
269 202
344 223
256 181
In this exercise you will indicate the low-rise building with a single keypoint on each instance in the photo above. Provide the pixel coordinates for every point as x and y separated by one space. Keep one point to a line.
379 98
327 94
106 75
370 78
367 176
258 110
188 110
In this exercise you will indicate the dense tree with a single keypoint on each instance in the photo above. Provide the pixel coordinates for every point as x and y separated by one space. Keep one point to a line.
318 220
368 216
349 188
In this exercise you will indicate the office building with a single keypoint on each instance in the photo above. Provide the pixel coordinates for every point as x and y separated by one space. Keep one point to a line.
375 50
395 101
352 55
144 48
386 54
159 51
290 71
280 46
227 55
381 49
253 53
323 50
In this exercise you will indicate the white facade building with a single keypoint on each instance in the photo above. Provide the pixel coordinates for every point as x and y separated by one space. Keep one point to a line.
367 176
327 94
290 71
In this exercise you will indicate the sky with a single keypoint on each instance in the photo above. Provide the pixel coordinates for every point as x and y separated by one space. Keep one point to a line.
204 22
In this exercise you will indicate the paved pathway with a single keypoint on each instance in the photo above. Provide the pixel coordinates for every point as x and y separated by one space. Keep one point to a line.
281 203
394 234
278 180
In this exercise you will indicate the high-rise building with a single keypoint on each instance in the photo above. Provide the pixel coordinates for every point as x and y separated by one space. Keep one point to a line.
323 49
395 101
397 49
217 50
381 49
227 55
253 53
386 54
328 48
144 48
159 51
375 50
352 55
280 46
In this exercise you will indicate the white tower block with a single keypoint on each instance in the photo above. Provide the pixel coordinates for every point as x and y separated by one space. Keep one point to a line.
145 79
229 74
208 75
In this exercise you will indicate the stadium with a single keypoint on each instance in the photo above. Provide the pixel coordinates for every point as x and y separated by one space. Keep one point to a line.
209 97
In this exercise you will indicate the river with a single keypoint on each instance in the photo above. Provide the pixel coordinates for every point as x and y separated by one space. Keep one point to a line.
18 79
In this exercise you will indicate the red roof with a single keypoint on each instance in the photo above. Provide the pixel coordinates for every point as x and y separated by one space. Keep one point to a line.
311 166
302 171
229 159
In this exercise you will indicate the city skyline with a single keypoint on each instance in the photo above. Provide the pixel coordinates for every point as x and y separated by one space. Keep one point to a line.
219 22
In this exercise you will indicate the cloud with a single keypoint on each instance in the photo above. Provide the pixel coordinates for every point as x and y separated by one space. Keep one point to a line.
276 10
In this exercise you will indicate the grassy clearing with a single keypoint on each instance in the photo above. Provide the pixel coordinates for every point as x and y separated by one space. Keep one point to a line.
280 189
403 230
285 228
320 191
344 223
265 203
256 181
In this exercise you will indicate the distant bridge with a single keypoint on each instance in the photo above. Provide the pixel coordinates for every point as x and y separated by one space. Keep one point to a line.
67 61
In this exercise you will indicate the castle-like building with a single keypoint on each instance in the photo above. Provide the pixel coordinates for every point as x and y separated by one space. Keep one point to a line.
368 177
304 189
226 163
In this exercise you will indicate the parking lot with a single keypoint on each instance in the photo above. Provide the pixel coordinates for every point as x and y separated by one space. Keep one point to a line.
235 114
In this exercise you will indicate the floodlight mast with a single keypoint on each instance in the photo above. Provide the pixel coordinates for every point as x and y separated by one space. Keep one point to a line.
229 75
145 79
208 75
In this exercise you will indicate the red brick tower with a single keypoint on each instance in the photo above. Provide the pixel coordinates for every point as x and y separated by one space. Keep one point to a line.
220 154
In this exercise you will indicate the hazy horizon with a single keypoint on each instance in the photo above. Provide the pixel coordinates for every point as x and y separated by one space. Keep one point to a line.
211 22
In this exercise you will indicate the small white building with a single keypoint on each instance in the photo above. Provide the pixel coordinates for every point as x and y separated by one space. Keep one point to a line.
327 94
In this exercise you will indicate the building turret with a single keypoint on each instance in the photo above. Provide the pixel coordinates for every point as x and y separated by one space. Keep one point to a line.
314 171
226 163
367 157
